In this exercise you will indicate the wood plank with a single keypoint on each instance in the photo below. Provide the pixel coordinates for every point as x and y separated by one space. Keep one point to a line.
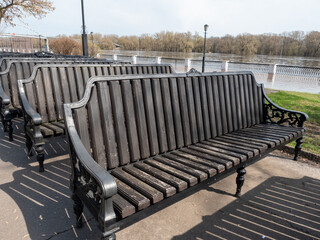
60 125
228 103
176 112
141 119
205 109
243 102
134 197
108 125
46 132
166 98
96 135
150 117
119 122
216 100
255 99
198 108
251 132
200 175
163 187
48 94
251 99
250 138
226 163
243 142
223 112
260 99
238 111
247 101
270 133
233 104
64 85
131 125
250 152
211 107
179 184
57 92
40 96
204 168
122 207
184 111
191 180
159 115
153 194
192 117
13 82
215 153
72 85
219 167
57 130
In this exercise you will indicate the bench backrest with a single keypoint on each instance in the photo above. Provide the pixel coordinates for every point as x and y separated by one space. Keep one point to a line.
22 69
52 85
124 119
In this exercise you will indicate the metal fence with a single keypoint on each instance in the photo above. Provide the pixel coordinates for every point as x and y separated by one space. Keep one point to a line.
282 77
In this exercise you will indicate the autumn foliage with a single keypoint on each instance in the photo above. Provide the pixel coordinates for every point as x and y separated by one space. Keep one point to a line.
65 46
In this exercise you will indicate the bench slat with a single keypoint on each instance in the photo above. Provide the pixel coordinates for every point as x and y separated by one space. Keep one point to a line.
131 125
57 130
153 194
168 113
141 119
46 132
176 112
40 97
179 184
49 95
191 180
258 134
226 163
14 74
243 142
133 196
228 103
72 82
108 128
163 187
205 149
235 102
184 111
251 99
231 148
243 109
198 108
219 167
249 138
159 114
205 110
64 85
209 170
268 133
150 117
119 122
211 107
191 107
222 101
122 206
216 100
56 86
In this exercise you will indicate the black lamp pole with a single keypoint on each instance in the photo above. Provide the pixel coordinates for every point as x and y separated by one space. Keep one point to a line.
84 34
204 47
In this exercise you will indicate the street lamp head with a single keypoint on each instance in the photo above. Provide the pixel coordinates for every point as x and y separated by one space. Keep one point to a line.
206 26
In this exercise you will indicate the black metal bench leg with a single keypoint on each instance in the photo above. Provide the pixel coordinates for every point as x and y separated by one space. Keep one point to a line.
8 128
240 180
77 209
40 157
29 146
297 149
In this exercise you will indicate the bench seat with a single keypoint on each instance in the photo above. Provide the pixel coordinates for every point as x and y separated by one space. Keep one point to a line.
151 180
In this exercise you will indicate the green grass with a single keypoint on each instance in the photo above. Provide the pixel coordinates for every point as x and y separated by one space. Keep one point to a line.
309 104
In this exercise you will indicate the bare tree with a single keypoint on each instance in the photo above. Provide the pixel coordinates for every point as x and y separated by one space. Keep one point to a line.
19 9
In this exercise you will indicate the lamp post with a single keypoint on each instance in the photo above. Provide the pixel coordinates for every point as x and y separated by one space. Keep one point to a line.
84 34
40 43
204 47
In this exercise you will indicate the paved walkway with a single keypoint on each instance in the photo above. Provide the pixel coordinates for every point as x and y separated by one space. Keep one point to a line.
280 202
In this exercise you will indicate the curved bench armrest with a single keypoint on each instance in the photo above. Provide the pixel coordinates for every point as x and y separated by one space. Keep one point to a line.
89 175
275 114
4 103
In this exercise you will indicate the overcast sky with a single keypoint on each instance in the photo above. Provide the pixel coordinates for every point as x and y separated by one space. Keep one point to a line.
135 17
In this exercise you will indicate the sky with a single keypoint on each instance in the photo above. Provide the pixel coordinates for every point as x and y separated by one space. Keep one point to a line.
136 17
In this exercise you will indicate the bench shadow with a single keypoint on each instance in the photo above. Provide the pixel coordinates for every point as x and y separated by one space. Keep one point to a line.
279 208
15 152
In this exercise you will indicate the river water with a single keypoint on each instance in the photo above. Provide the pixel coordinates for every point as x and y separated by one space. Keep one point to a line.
292 74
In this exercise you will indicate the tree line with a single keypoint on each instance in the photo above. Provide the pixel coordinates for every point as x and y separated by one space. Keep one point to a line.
295 43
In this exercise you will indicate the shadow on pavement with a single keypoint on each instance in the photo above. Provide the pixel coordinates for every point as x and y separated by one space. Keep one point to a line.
279 208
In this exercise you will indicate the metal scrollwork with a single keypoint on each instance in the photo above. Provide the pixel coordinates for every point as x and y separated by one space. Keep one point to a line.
278 115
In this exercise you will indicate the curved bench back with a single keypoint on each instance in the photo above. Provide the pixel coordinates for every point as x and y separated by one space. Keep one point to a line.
52 85
127 118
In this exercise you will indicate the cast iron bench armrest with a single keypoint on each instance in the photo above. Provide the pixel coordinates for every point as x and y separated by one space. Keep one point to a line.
104 180
27 109
4 99
279 115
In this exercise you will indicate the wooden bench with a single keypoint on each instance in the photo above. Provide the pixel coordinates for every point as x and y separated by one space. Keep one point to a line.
21 69
49 86
137 141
